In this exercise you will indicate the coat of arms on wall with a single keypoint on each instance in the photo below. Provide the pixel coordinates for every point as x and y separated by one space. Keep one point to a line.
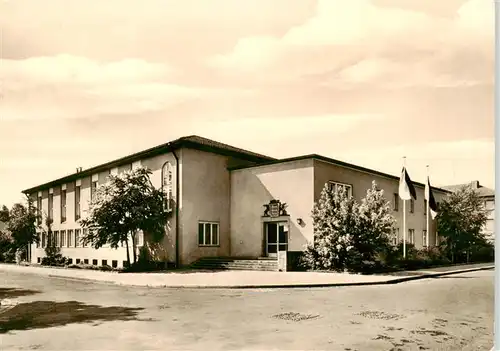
275 209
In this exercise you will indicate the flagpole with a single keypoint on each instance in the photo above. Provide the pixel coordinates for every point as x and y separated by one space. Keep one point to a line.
427 211
404 216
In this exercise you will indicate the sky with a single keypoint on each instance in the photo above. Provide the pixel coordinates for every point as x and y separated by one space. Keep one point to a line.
83 82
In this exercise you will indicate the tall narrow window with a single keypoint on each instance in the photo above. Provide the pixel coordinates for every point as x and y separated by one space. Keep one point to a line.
71 238
77 237
39 239
51 206
62 243
39 210
411 236
425 207
77 202
412 206
63 206
424 238
56 239
93 189
167 186
396 202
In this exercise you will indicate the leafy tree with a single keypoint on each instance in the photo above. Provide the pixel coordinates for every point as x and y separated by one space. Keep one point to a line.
21 224
4 214
346 232
127 203
460 220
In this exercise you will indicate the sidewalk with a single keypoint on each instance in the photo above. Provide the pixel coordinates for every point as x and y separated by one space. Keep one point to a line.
237 279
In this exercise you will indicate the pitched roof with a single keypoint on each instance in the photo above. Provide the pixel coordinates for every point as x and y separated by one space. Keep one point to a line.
481 190
338 163
191 142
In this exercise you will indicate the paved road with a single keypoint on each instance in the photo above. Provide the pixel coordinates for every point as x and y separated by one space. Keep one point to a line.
448 313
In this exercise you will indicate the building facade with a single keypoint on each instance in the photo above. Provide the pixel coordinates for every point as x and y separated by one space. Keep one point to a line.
225 202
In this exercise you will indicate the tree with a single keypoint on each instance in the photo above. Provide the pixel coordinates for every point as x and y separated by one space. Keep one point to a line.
53 256
126 204
347 233
21 223
460 220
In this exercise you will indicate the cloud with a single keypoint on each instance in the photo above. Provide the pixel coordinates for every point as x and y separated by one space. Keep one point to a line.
73 69
66 86
357 42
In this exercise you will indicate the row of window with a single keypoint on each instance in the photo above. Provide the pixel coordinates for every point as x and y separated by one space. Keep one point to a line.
167 187
114 263
410 238
336 186
73 238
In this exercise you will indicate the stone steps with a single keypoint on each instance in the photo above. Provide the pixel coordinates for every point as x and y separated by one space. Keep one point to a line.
227 263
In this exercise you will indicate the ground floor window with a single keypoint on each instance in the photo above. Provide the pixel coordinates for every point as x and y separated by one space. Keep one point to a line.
71 238
77 237
411 236
424 237
63 238
208 234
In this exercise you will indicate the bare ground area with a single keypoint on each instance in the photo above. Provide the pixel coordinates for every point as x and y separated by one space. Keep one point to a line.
448 313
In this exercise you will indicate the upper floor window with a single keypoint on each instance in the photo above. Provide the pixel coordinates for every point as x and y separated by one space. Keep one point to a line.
425 207
51 206
39 209
77 202
412 206
63 206
93 189
335 186
167 185
395 202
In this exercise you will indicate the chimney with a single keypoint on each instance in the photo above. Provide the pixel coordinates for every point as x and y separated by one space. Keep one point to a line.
475 184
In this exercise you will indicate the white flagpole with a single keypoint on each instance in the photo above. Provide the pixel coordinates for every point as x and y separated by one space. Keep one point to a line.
427 211
404 215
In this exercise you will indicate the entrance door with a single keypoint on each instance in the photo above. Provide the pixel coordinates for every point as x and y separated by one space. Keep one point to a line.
276 238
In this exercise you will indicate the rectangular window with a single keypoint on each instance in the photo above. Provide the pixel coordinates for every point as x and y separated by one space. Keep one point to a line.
396 202
86 260
425 207
395 237
39 210
335 186
412 206
94 262
70 261
411 236
51 206
38 259
208 234
77 260
38 235
104 262
77 203
114 263
77 237
63 206
63 238
71 238
56 238
424 238
84 244
93 189
44 240
139 238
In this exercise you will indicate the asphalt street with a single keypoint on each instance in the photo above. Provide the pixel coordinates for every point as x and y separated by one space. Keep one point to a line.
448 313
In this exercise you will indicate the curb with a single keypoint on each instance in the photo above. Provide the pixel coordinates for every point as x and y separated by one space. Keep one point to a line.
283 286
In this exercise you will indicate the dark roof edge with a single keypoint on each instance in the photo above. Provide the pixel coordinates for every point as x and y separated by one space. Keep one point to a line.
336 162
151 152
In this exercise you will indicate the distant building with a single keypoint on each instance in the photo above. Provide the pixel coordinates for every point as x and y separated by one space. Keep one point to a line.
226 202
488 195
